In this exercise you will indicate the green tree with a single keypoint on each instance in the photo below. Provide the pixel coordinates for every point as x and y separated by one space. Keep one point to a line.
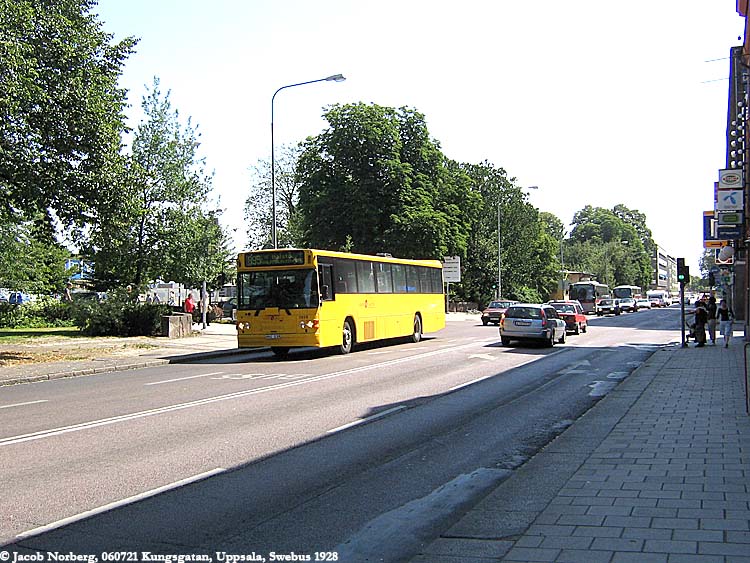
529 267
259 206
376 178
32 260
159 223
611 244
61 111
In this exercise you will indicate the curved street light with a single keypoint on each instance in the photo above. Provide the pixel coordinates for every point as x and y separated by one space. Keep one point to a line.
332 78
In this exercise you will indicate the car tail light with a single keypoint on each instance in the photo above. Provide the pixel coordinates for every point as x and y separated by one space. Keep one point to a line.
544 320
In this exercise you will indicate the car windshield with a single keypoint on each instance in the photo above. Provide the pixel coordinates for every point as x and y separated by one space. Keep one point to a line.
499 305
564 307
523 313
285 289
605 302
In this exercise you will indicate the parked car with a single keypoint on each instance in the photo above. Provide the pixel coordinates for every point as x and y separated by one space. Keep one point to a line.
228 306
532 322
494 311
572 313
18 298
608 307
643 303
627 305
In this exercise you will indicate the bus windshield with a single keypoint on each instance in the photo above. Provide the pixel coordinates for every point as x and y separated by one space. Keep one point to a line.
582 293
285 289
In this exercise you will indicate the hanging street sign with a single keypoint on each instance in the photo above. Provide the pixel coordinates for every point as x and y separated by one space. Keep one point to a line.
729 200
730 178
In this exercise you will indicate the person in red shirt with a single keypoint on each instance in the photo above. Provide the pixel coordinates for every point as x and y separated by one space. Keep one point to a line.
189 305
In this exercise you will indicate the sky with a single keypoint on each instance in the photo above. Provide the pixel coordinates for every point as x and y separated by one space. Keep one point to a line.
595 102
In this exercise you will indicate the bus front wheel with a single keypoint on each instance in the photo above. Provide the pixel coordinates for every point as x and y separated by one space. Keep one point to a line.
416 335
347 337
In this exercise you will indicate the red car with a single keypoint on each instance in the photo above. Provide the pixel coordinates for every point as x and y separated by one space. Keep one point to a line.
495 311
572 313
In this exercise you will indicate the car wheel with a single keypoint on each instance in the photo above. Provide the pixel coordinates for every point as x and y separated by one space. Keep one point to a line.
550 342
347 338
485 322
505 340
577 329
584 328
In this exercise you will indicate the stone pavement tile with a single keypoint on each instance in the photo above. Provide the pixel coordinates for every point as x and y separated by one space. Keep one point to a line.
583 556
723 548
647 534
637 557
453 559
738 537
468 548
698 535
671 546
618 544
690 558
535 554
491 524
598 531
724 524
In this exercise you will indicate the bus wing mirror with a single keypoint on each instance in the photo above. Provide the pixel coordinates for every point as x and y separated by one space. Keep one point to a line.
324 292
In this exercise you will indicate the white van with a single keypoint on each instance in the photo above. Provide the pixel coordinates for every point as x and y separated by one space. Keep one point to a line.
659 298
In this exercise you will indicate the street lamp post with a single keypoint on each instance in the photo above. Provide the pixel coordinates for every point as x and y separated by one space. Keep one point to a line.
332 78
500 247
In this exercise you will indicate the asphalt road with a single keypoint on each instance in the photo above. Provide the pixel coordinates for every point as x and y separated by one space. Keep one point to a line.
365 455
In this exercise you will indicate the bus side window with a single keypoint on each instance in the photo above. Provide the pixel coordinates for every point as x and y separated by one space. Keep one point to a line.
325 273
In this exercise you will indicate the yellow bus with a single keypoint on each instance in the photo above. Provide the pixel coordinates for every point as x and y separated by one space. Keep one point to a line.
293 298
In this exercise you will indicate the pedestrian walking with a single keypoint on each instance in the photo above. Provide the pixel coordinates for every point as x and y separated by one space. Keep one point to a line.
711 324
725 317
701 318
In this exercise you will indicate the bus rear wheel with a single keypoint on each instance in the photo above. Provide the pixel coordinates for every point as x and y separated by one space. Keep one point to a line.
416 335
347 337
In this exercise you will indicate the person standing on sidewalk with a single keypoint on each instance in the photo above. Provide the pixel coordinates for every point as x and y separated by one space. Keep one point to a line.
711 324
701 318
725 316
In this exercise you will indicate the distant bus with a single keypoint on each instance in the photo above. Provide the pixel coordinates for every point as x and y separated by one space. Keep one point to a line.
588 293
626 291
301 297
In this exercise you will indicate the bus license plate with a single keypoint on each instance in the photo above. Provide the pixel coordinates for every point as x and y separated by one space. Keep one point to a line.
273 336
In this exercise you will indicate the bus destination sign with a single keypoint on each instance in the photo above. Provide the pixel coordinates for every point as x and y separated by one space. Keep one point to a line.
276 258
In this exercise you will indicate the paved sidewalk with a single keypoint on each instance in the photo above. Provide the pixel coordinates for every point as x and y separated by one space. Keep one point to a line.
657 471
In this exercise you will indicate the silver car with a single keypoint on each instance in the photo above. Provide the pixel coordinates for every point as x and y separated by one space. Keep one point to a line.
527 321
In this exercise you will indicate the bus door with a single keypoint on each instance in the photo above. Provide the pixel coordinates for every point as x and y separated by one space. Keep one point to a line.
325 275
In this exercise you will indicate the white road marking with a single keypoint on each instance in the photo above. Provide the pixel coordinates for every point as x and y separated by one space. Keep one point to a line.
24 404
483 356
472 382
182 378
118 504
239 394
366 419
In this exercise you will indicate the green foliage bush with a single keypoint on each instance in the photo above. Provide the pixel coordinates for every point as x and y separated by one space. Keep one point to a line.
44 312
118 315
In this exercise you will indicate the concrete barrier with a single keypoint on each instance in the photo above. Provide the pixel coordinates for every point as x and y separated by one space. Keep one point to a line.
178 325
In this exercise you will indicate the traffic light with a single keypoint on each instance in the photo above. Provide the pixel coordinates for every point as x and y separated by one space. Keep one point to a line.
683 271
